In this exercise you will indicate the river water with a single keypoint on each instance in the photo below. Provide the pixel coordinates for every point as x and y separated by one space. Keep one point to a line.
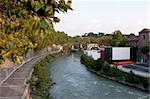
74 81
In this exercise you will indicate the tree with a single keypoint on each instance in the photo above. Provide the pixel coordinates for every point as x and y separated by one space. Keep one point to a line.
27 24
93 39
100 34
145 49
105 41
91 34
118 39
123 42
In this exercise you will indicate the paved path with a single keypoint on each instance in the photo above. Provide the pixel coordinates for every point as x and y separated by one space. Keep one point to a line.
135 71
15 86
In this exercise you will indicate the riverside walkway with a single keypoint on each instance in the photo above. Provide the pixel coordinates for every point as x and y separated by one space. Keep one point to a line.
15 87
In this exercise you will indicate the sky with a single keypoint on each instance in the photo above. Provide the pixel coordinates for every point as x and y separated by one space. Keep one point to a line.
128 16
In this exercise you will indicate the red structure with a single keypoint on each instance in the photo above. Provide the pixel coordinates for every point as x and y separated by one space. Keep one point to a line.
102 54
123 63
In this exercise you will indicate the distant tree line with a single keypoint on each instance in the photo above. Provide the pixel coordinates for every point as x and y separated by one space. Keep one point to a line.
114 39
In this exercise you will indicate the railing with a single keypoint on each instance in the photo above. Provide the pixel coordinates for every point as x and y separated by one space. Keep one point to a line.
5 73
26 94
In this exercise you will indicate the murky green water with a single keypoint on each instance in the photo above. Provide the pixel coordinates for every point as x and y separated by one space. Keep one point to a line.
73 81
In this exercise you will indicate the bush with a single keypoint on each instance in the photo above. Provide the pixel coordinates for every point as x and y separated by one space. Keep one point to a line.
112 71
87 60
134 79
145 49
145 83
99 65
40 80
91 63
105 70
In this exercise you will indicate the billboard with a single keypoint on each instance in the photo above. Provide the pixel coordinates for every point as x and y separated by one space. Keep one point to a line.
120 53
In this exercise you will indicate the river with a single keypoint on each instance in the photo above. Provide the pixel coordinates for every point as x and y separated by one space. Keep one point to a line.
74 81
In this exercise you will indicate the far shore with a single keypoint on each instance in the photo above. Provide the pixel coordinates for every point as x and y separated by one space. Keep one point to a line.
119 81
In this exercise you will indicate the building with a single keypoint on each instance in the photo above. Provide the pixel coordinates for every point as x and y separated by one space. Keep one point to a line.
139 41
113 54
120 54
144 37
134 41
92 45
95 54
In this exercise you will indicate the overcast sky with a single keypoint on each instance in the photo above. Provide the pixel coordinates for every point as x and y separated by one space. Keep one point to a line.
129 16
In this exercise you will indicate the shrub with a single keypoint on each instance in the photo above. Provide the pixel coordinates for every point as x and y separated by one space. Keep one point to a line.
106 70
132 78
40 79
87 60
91 63
145 83
145 49
100 65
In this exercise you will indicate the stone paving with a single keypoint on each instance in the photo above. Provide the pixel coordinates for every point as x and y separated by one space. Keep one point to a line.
14 87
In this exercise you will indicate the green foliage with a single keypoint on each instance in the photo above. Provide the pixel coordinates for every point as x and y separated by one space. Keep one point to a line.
40 80
105 41
98 65
131 78
145 49
87 60
112 71
118 39
28 24
67 47
123 42
42 24
145 82
91 63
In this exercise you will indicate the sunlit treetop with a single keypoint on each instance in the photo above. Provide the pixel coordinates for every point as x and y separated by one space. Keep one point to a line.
28 24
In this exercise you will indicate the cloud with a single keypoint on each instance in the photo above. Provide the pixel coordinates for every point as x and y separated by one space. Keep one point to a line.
104 17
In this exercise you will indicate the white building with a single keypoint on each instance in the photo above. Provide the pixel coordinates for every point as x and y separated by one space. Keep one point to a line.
93 53
111 53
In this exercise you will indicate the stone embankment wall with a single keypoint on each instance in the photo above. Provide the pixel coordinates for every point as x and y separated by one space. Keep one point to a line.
6 71
9 67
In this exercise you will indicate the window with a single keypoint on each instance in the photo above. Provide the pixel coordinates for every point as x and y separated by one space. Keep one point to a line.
143 36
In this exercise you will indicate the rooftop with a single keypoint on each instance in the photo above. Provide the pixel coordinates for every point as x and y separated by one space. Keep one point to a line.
145 31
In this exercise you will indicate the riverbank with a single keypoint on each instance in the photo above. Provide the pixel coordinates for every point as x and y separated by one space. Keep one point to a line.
101 68
40 81
119 81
